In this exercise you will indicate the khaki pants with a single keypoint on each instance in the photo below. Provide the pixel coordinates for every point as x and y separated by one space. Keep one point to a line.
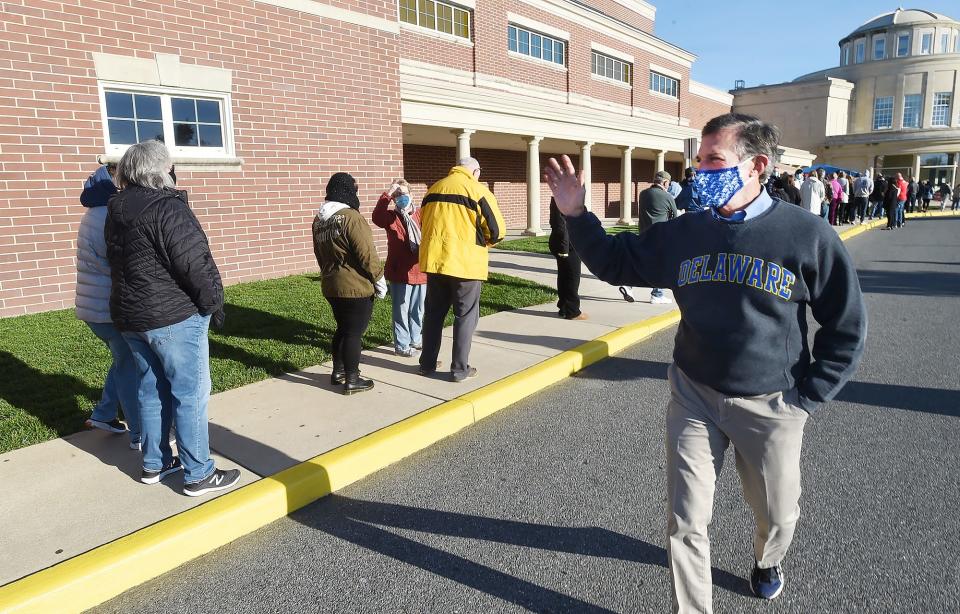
766 432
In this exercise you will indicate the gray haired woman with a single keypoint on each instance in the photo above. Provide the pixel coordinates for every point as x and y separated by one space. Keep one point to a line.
166 289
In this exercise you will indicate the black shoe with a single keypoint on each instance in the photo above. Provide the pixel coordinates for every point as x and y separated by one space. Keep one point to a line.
428 372
766 583
152 477
113 426
469 373
355 384
337 378
627 296
218 480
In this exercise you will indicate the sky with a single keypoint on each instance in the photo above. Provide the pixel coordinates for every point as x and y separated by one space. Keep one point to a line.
732 41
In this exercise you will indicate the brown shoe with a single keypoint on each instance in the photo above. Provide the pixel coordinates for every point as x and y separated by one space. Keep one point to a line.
582 316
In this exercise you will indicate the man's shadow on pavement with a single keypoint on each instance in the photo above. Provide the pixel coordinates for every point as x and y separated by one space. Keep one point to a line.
359 522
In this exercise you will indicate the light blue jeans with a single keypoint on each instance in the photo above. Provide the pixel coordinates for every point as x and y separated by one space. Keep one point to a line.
121 383
407 314
173 364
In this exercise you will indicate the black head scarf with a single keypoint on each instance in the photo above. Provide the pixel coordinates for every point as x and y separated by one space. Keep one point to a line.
342 188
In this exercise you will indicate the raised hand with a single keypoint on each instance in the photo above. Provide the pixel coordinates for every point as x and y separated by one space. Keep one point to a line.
566 185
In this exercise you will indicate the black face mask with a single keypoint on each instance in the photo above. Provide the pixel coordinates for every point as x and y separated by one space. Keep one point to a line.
173 175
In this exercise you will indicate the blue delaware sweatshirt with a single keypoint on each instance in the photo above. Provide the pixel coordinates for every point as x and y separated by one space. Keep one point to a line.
743 290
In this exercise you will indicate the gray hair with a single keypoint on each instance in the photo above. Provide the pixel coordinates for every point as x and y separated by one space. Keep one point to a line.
470 164
754 137
147 165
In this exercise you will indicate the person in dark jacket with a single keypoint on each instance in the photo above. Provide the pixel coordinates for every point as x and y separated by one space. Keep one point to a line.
166 289
352 276
93 308
876 197
890 197
789 189
656 206
408 284
568 267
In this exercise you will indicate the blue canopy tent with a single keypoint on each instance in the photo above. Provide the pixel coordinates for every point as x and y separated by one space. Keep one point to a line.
829 168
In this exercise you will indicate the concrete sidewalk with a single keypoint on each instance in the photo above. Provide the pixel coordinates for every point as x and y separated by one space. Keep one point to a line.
65 497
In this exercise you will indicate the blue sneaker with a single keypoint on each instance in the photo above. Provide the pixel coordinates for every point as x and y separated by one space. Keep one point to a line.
766 583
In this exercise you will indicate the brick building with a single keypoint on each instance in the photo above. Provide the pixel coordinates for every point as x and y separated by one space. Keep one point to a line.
260 101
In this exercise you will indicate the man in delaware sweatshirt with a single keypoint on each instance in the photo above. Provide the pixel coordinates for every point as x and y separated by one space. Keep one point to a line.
743 272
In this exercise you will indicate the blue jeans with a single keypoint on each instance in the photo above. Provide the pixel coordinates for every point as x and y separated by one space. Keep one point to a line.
900 207
407 314
173 364
121 383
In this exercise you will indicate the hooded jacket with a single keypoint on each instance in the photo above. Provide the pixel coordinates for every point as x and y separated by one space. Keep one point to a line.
343 245
461 219
160 262
93 269
403 265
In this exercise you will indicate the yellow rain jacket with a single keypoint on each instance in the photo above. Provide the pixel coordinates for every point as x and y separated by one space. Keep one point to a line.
460 221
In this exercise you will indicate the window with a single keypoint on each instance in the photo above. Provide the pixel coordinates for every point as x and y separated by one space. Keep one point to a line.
879 48
435 15
193 125
945 42
611 68
536 45
941 109
912 104
883 113
859 52
903 45
664 84
845 55
926 42
956 43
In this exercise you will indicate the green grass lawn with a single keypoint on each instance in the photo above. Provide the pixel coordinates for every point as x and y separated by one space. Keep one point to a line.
53 367
538 245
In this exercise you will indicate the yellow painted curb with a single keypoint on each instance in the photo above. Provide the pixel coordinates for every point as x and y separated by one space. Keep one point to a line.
91 578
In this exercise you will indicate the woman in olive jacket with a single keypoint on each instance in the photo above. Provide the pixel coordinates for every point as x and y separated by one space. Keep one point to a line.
352 276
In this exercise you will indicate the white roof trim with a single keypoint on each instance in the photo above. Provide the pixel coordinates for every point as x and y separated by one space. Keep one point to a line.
705 91
537 26
620 55
639 7
666 71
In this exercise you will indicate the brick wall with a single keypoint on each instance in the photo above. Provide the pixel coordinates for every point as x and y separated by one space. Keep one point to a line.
622 13
304 106
702 110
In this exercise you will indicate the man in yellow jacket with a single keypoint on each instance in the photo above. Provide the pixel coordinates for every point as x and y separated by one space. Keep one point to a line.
461 220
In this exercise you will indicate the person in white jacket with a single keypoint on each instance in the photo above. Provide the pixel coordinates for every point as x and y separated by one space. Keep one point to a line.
93 307
811 194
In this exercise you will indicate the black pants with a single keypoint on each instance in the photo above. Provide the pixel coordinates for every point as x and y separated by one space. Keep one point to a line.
353 317
860 208
568 285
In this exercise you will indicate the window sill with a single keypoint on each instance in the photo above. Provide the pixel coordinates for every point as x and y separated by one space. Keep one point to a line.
193 163
657 94
450 38
539 62
613 82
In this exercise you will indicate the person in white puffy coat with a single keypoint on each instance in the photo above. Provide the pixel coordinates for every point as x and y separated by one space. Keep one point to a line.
93 307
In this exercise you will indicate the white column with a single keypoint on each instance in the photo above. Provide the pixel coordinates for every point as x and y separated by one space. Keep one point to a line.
626 185
916 167
585 169
660 159
533 186
463 143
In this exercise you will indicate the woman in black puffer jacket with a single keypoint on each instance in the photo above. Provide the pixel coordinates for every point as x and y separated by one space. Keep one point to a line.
165 290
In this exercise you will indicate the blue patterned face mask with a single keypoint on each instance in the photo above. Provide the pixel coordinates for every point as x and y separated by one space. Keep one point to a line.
402 201
716 187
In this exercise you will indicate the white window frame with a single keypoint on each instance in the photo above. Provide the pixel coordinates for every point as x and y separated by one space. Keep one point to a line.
901 36
926 38
532 33
944 42
666 79
889 123
903 121
627 84
860 51
166 112
880 40
435 30
845 55
944 109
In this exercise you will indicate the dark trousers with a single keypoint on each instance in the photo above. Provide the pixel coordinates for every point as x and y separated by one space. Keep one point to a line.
860 208
463 295
353 317
568 284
